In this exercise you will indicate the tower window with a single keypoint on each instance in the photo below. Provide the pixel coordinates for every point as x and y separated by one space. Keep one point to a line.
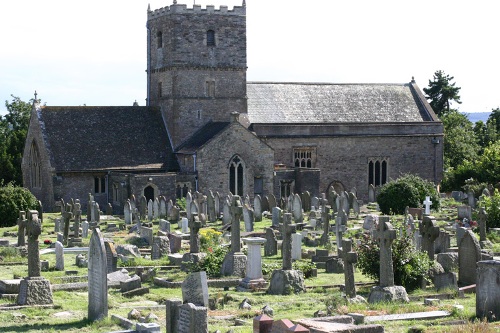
159 89
210 38
99 185
35 166
303 157
377 171
210 88
159 39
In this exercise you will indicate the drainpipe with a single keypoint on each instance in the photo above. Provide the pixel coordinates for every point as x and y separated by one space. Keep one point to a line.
196 172
148 69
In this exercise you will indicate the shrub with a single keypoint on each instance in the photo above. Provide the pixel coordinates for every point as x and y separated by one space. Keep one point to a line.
12 200
209 239
212 262
406 191
492 206
410 266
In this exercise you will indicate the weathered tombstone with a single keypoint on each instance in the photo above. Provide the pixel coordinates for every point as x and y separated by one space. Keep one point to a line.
97 277
469 253
248 217
235 262
253 278
212 217
257 208
442 242
164 226
355 207
146 234
78 214
339 230
111 256
371 193
464 212
192 319
272 201
265 204
306 201
185 225
226 213
85 229
350 258
460 233
163 207
471 199
189 202
325 218
156 209
34 290
21 228
298 217
59 249
58 225
482 218
67 215
296 246
488 290
127 212
172 314
271 246
160 248
89 207
276 219
150 210
97 212
175 214
195 289
429 232
386 291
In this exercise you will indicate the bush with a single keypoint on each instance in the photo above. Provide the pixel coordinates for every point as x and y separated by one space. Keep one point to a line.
410 266
212 262
406 191
12 200
492 206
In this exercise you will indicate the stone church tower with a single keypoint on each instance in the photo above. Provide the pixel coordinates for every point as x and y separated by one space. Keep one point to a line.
196 66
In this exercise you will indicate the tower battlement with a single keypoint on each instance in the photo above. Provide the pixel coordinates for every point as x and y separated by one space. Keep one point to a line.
182 9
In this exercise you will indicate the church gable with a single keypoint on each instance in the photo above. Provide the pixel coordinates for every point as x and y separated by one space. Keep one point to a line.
106 138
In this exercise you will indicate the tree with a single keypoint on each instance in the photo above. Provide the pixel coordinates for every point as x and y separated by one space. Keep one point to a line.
13 131
441 92
486 133
494 119
459 139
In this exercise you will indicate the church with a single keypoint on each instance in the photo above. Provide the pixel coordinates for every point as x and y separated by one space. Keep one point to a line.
205 127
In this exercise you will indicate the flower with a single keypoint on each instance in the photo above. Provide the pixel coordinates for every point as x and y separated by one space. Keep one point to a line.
47 242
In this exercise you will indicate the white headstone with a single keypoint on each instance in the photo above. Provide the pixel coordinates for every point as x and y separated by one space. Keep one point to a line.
296 246
59 256
427 203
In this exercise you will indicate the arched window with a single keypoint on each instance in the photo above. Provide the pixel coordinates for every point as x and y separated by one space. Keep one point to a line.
159 39
210 38
236 176
35 166
377 171
303 156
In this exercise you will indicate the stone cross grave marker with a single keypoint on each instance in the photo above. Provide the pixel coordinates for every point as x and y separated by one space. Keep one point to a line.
429 232
97 277
286 247
67 215
427 203
212 217
77 211
385 235
194 237
33 230
350 258
325 218
21 228
236 212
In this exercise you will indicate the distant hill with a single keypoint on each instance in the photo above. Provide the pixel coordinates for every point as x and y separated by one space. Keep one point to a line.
476 116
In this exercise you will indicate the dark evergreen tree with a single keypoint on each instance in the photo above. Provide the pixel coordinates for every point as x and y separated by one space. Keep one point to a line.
441 92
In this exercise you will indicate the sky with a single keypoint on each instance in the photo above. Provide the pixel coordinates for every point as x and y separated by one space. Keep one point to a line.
93 52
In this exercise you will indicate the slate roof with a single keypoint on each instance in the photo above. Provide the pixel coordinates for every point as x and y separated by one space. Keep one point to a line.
336 103
92 138
202 136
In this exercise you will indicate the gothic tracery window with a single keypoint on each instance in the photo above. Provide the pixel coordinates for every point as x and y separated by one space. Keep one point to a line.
377 171
236 176
303 157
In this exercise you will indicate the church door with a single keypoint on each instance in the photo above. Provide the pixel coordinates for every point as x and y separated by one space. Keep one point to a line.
149 193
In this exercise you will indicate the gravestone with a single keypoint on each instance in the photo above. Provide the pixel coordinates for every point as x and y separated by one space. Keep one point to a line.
58 225
371 193
469 253
253 278
156 209
226 213
97 212
85 229
429 232
272 201
185 225
195 289
442 242
296 246
21 228
67 215
175 242
306 201
111 256
150 210
248 217
127 212
471 200
298 217
276 219
189 202
212 217
350 258
147 234
386 291
194 254
163 207
482 217
160 248
235 262
172 314
77 212
257 208
427 204
34 290
192 319
164 226
339 230
488 290
271 245
460 233
89 206
325 219
59 249
97 277
265 204
286 247
464 212
143 207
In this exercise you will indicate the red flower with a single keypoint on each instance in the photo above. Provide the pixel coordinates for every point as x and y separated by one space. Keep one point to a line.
47 242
